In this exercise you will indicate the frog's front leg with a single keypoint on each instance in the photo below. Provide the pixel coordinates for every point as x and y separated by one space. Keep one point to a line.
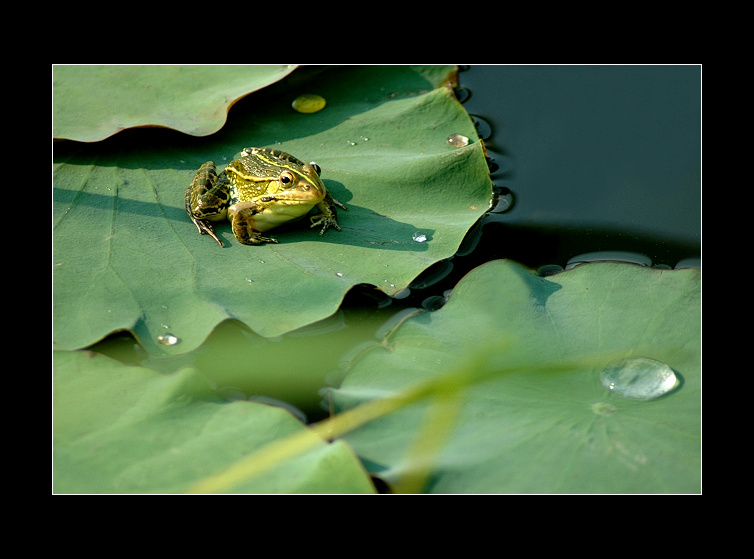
206 200
242 220
328 216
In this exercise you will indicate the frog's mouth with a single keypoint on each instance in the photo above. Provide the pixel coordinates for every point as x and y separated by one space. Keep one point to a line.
291 198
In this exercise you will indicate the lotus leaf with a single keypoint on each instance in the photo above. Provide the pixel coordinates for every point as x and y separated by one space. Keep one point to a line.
91 103
126 257
514 360
127 429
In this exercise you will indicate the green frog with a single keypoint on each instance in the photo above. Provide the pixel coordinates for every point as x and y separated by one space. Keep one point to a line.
260 190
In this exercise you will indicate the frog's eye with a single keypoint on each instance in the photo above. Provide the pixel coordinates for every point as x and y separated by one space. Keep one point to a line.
317 168
286 177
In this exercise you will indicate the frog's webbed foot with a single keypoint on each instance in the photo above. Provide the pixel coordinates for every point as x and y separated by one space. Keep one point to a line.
328 216
325 221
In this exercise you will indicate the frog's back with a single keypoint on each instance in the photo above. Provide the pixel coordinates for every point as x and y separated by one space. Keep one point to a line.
268 162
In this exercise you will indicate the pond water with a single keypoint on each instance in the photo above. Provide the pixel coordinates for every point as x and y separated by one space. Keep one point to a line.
597 158
587 161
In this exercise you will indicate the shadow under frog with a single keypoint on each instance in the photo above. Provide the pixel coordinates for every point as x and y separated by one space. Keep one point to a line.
360 226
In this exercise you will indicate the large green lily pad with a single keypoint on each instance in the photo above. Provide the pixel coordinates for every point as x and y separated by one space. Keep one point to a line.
91 103
126 256
513 361
128 429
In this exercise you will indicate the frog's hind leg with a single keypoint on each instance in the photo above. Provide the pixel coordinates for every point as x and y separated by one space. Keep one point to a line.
205 179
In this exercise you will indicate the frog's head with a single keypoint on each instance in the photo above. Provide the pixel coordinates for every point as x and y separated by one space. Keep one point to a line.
272 174
300 185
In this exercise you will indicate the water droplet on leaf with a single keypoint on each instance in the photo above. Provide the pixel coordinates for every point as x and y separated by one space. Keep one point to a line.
167 339
639 378
458 140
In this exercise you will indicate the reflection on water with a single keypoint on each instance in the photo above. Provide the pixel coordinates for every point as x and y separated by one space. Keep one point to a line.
607 146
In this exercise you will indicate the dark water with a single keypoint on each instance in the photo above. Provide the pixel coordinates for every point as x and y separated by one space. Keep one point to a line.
597 158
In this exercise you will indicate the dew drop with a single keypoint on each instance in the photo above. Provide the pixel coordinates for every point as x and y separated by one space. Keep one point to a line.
639 378
308 103
420 237
167 339
458 140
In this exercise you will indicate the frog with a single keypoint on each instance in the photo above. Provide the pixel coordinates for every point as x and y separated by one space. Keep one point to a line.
260 190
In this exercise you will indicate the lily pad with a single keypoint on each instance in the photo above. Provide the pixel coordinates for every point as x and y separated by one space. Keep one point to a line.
91 103
515 404
127 429
126 256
